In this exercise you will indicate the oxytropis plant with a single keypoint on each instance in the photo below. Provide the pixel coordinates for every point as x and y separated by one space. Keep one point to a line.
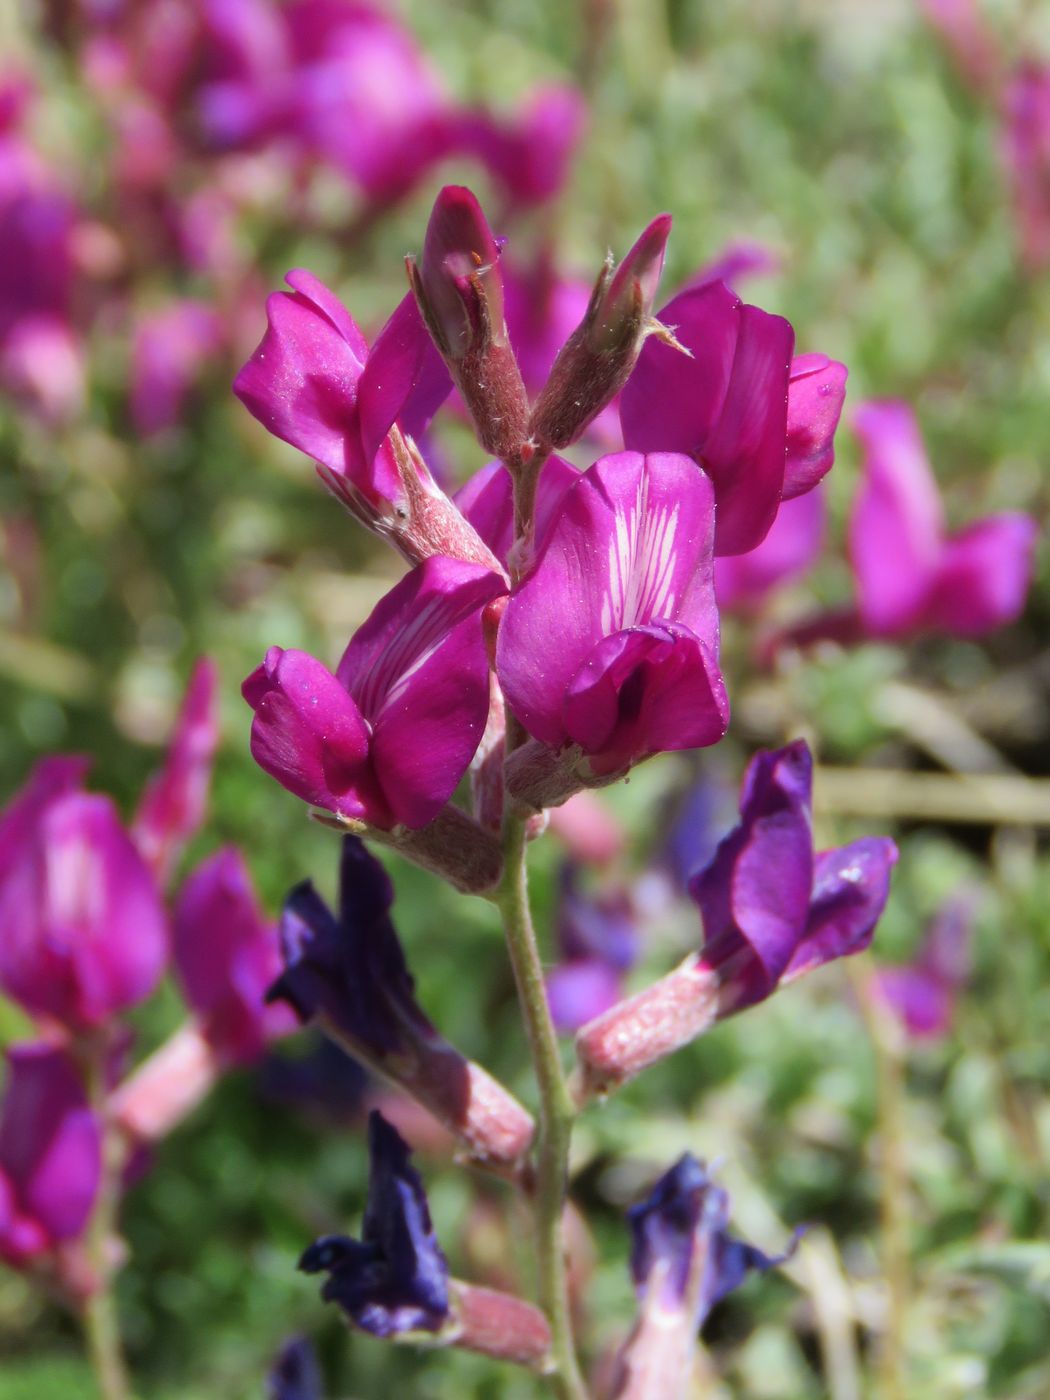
556 628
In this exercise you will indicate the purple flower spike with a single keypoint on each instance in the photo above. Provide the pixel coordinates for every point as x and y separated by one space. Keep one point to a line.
388 737
911 575
725 404
771 909
50 1154
683 1262
174 801
594 363
395 1278
82 931
458 285
609 648
227 957
350 973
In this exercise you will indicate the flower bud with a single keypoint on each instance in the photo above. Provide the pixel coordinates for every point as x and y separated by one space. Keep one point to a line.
595 362
458 285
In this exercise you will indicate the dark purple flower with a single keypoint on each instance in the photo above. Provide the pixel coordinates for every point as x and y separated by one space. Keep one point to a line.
911 575
226 957
50 1153
83 933
388 737
296 1374
395 1278
772 910
349 972
683 1262
175 798
609 647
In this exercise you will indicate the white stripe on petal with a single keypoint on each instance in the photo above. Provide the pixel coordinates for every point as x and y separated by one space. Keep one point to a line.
641 573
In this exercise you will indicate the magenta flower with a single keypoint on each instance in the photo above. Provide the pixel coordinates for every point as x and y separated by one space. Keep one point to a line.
175 798
226 957
911 575
609 647
791 547
1026 155
487 502
528 153
50 1154
760 424
83 934
314 383
968 39
923 992
170 351
388 737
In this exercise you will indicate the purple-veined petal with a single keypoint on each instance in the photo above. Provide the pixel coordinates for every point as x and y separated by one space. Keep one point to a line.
850 887
629 545
308 733
418 671
896 524
642 691
984 575
816 393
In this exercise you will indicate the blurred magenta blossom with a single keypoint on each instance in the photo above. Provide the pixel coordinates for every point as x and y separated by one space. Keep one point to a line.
912 575
922 993
1026 155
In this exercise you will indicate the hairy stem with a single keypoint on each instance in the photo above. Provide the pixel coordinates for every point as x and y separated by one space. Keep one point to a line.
99 1310
556 1111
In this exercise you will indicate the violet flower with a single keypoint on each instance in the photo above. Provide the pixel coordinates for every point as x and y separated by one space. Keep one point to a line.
387 738
608 649
598 941
683 1262
50 1154
759 423
772 911
792 546
350 973
1026 156
174 800
296 1374
922 993
395 1278
226 956
83 934
911 575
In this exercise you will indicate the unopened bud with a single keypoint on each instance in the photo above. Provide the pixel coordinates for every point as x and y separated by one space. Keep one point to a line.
458 286
499 1325
594 363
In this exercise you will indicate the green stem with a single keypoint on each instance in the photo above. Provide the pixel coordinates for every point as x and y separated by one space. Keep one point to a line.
557 1111
99 1311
